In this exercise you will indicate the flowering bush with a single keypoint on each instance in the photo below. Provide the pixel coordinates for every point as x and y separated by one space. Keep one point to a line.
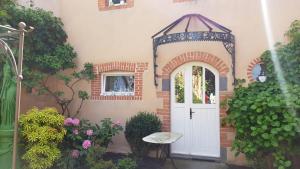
107 130
82 136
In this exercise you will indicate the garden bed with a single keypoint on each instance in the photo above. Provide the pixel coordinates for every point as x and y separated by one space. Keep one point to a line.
145 163
230 166
152 163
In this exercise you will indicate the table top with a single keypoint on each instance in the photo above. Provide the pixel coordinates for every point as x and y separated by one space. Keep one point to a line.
162 137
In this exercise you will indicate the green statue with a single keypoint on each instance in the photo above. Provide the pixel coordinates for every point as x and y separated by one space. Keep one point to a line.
7 99
7 114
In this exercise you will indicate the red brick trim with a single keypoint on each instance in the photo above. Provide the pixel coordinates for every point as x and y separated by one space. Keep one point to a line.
136 68
195 56
103 5
182 1
226 132
164 111
250 68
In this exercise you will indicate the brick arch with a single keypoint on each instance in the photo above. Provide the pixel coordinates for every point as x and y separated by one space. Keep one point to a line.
164 112
195 56
251 66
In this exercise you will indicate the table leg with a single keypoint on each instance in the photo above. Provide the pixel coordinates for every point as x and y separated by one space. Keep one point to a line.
173 163
165 152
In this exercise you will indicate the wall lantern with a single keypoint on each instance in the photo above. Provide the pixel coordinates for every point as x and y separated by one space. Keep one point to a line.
262 76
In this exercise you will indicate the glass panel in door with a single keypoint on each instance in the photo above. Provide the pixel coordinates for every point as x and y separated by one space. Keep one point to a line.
210 87
179 87
197 84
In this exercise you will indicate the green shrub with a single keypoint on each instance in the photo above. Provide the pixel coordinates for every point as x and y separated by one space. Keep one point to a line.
265 114
127 163
138 127
264 124
105 130
95 159
42 131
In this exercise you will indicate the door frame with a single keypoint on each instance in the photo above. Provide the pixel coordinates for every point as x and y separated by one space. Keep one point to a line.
216 106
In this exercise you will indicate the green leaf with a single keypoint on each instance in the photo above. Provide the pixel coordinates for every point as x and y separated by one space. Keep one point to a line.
253 107
287 128
265 136
287 163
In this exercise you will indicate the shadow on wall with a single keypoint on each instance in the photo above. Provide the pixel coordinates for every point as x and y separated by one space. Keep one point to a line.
30 100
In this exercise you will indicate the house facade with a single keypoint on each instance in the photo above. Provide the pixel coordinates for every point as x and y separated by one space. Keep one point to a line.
176 58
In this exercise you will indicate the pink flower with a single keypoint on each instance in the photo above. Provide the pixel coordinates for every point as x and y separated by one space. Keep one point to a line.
118 122
89 132
68 121
86 144
75 153
76 122
75 131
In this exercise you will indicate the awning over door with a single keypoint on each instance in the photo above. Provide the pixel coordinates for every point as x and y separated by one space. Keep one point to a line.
203 29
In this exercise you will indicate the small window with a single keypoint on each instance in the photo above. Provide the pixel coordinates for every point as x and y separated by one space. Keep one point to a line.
118 84
116 2
258 71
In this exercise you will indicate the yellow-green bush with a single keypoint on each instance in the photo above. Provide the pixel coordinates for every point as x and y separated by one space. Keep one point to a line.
42 131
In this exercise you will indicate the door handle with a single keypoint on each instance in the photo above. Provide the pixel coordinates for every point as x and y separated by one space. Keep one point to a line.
191 113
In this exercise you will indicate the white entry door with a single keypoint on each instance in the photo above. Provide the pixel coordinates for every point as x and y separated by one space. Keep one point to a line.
195 110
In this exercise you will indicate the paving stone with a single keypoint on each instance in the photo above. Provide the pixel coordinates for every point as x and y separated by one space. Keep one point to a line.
194 164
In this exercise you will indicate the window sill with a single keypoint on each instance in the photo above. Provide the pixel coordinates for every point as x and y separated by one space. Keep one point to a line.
118 94
101 97
112 5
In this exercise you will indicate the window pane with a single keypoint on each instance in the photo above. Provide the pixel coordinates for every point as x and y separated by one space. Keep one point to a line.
179 87
197 84
119 83
116 2
210 87
256 71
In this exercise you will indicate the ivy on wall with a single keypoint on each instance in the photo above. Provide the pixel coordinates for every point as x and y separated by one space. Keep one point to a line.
47 54
266 115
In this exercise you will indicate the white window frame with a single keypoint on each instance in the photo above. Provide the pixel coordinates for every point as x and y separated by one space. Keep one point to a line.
122 2
103 84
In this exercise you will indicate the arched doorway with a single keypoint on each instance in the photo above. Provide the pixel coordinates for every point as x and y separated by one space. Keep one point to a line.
195 110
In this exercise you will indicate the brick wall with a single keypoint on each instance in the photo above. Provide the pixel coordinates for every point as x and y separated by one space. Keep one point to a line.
136 68
226 132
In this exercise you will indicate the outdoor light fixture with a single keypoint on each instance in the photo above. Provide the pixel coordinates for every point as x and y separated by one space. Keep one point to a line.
262 76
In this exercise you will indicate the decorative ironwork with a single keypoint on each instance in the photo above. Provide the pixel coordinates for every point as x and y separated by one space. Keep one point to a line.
222 34
8 33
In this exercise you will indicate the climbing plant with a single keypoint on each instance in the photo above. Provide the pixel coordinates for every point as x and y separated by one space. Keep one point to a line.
3 12
47 55
265 114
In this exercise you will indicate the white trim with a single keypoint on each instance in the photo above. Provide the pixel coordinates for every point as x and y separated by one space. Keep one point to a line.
184 108
103 80
122 2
